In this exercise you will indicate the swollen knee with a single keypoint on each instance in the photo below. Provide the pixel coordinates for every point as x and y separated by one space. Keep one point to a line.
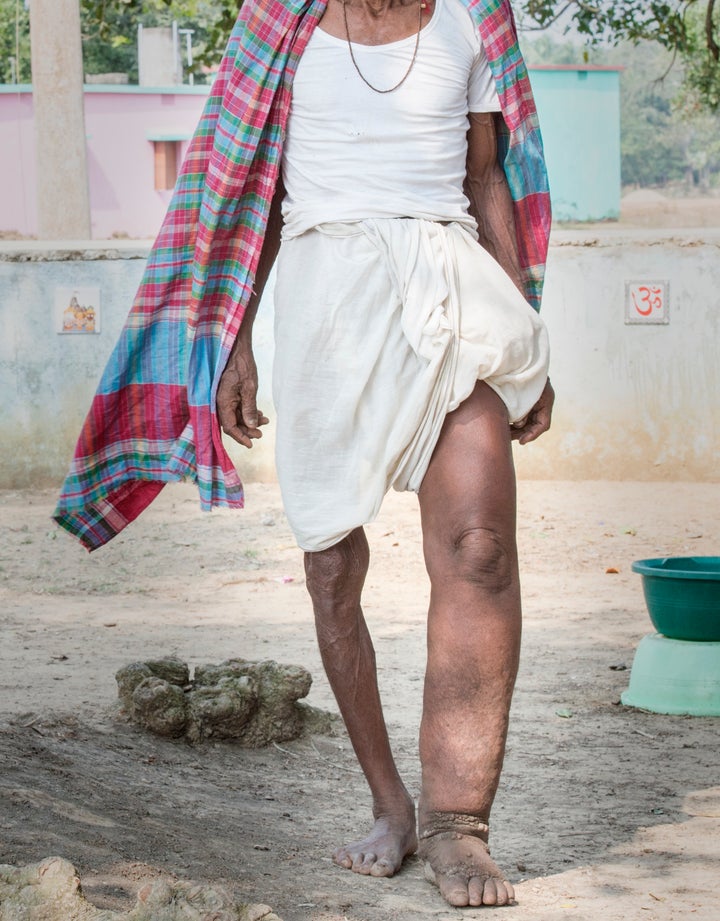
482 556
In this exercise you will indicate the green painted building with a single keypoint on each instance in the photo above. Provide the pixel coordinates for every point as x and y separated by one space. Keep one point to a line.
579 109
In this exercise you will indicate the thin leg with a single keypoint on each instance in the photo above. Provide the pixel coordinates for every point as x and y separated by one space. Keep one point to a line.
467 503
335 579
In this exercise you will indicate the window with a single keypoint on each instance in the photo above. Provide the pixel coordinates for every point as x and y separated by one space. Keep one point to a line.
167 156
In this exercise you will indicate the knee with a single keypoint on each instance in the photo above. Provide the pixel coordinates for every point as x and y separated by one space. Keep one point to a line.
481 556
337 572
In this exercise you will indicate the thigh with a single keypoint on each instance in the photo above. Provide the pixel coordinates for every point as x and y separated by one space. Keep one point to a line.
469 486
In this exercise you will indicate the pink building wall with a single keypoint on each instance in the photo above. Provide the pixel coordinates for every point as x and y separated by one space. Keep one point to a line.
120 122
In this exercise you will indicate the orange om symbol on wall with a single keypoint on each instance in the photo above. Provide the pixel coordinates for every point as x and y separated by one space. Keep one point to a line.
647 299
647 302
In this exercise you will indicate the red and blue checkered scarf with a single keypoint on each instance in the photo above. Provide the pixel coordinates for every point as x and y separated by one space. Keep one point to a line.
153 418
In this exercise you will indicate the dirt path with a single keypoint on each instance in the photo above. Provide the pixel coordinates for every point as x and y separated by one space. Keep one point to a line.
604 813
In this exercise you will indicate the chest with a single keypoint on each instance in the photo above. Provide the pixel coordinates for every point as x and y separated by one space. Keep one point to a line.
329 86
398 22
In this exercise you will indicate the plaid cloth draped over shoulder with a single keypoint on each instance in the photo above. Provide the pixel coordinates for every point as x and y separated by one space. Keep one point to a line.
153 420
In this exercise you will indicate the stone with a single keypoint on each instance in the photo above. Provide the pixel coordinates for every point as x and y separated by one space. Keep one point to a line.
171 669
277 717
128 678
222 711
252 703
160 707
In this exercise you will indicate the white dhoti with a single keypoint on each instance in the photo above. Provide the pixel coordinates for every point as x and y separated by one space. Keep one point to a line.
383 327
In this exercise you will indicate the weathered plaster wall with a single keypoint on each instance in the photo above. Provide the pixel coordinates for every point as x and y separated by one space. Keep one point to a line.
45 378
633 402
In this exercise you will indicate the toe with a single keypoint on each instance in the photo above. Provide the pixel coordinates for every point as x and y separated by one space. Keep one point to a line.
490 894
363 863
430 874
343 859
454 890
476 885
509 893
382 867
503 897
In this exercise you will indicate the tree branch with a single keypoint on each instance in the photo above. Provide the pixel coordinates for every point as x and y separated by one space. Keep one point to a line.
713 46
549 22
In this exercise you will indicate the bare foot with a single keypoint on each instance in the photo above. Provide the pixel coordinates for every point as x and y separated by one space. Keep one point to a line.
457 859
383 851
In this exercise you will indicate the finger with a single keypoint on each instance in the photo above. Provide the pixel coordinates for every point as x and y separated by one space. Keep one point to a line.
519 427
534 430
228 422
227 417
244 435
231 426
248 406
239 435
251 433
539 419
542 418
262 419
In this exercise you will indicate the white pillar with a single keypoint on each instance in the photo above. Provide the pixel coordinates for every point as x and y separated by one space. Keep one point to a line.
61 160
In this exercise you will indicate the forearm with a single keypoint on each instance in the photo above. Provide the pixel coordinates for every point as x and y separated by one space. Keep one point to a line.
268 254
491 206
236 399
489 195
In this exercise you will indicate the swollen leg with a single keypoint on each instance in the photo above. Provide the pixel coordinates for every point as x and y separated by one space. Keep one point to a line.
335 579
468 508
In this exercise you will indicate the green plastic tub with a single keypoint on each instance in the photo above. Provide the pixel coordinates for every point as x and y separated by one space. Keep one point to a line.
682 594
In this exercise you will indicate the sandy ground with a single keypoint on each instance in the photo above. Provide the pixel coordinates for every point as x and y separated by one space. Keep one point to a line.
604 812
653 208
658 209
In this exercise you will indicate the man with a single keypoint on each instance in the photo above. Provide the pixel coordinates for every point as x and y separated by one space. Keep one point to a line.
406 356
345 187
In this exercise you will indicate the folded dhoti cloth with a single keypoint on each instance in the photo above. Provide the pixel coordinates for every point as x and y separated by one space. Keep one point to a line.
383 327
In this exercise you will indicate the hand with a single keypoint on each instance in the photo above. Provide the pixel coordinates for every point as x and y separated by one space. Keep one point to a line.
236 398
537 420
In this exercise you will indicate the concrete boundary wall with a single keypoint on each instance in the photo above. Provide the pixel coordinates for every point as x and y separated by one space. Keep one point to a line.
635 401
